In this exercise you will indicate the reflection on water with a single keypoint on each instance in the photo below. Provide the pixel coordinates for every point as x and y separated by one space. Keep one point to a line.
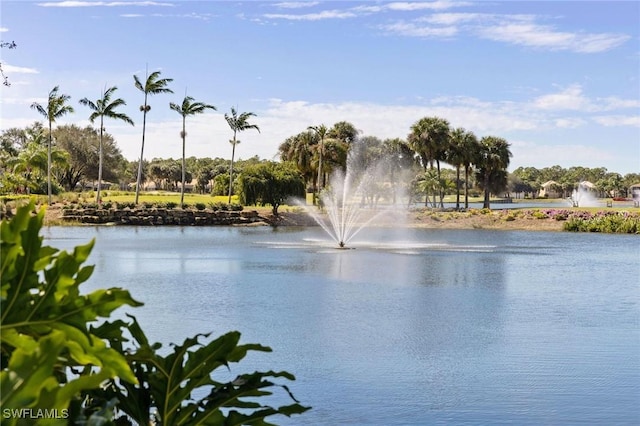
409 326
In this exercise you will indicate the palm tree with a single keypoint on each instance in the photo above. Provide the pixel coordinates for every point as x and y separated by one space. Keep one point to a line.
462 152
152 86
56 108
188 107
321 132
297 149
105 107
238 123
429 138
492 164
400 158
429 182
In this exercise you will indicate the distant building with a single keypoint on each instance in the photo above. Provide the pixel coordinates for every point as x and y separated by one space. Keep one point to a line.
634 191
550 189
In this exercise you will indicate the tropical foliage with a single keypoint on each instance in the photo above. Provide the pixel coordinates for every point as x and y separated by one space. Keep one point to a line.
415 163
58 357
237 123
101 108
187 108
271 183
153 85
492 162
55 108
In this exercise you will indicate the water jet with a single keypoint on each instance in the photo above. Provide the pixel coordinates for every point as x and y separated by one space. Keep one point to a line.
353 198
583 196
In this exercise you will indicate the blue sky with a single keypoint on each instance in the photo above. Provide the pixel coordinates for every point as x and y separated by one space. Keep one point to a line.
559 80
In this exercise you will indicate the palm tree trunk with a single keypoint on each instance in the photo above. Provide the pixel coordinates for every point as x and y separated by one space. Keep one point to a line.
49 165
320 166
144 125
486 204
458 187
233 154
466 187
440 188
184 137
98 200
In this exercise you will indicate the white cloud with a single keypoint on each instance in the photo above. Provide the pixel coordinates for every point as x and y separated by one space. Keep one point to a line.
10 69
519 29
3 29
569 122
70 3
573 99
451 18
618 120
412 30
326 14
534 154
296 4
610 103
546 37
425 5
569 99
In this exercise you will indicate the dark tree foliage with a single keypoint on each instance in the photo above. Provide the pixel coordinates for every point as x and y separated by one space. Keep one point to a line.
270 183
82 144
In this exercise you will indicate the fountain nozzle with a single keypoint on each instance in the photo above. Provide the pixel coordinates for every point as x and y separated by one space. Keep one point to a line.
341 244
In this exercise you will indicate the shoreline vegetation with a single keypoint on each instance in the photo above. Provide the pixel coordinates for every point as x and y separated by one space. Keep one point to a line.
619 218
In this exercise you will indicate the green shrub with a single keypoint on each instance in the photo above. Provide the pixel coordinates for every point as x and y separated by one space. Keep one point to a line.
200 206
92 205
219 206
607 223
509 217
539 215
125 205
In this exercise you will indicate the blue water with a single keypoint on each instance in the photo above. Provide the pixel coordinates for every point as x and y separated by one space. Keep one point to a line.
411 327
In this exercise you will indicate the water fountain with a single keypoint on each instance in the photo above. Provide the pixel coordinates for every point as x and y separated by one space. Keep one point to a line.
351 200
582 196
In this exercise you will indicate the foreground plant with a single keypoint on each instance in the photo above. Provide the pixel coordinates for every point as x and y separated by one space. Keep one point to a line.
45 331
62 366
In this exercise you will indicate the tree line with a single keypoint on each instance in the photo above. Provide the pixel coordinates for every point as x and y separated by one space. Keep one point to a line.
39 159
58 105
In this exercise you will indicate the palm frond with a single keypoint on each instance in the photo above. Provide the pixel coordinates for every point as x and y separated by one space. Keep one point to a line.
138 84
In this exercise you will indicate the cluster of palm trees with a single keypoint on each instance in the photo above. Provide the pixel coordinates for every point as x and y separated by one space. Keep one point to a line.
106 106
431 141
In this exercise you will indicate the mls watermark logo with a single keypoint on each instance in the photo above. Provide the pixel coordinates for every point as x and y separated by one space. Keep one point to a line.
35 413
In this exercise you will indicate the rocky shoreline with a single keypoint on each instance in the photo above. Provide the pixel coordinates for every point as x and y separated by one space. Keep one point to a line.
494 220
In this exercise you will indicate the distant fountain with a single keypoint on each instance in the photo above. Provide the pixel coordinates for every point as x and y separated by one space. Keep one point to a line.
583 197
351 200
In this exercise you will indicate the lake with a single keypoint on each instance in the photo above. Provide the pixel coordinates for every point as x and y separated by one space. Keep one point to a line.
411 327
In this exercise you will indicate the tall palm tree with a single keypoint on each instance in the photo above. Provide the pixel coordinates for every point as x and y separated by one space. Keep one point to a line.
238 123
152 86
105 107
471 153
56 108
321 132
429 138
188 107
462 152
400 158
492 164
